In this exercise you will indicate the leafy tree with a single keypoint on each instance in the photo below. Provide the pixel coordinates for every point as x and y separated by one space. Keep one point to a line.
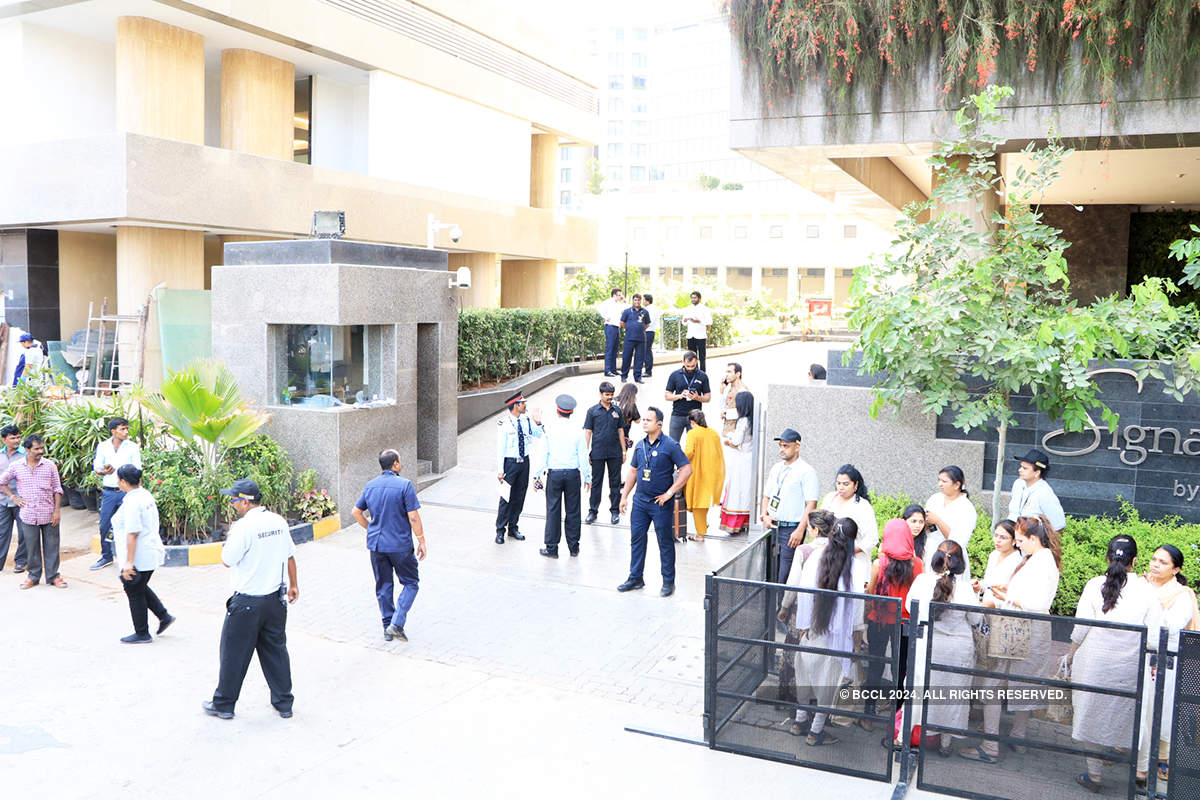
1188 251
732 187
595 178
708 182
587 288
964 317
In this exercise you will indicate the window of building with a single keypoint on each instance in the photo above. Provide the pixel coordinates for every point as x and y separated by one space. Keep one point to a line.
640 34
813 232
742 271
637 150
815 273
617 35
741 232
847 273
639 82
616 127
706 231
639 234
638 60
672 233
302 122
564 154
637 173
564 198
645 272
616 105
775 231
640 127
616 174
849 231
564 175
637 108
613 150
330 365
677 272
709 271
616 82
776 272
616 61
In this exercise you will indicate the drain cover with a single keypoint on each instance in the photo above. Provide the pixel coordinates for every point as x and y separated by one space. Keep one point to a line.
683 662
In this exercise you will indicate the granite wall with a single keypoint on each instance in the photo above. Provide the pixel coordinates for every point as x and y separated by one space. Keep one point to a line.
1099 252
395 291
29 268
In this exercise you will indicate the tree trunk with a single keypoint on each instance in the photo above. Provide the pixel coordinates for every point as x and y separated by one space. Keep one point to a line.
998 485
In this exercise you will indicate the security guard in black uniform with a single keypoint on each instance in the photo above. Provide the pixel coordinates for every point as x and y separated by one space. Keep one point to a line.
655 462
514 438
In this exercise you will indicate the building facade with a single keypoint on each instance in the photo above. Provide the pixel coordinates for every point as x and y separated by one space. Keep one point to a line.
143 135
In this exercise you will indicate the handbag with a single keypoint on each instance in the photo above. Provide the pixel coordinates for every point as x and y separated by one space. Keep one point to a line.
980 633
1009 638
1060 712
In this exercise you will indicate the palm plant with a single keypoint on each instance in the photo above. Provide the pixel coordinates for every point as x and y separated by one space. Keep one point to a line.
203 406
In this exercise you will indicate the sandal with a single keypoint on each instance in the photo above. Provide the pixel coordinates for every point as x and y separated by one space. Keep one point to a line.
59 583
695 537
1164 772
1140 780
797 728
28 583
977 753
821 739
1085 780
865 724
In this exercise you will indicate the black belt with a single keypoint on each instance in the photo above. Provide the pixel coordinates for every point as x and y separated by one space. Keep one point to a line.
517 459
564 469
275 593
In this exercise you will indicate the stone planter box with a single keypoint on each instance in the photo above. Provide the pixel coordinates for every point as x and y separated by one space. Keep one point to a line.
194 555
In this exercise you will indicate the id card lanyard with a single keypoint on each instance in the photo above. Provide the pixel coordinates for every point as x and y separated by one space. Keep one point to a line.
646 460
773 505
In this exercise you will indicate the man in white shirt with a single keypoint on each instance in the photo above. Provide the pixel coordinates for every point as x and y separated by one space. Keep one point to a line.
260 552
611 309
698 318
140 551
1031 495
790 493
111 455
651 330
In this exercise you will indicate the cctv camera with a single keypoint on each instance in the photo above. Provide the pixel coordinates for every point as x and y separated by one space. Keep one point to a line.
455 234
463 276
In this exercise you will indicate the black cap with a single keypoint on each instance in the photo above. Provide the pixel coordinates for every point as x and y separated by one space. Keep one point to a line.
245 489
788 435
1035 457
516 398
565 403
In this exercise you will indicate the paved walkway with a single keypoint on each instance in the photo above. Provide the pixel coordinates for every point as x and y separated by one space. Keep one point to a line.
520 677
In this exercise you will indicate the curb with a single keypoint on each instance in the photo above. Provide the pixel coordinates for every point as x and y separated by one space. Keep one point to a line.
195 555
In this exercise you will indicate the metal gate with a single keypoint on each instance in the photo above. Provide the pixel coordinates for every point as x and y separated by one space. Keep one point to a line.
1184 761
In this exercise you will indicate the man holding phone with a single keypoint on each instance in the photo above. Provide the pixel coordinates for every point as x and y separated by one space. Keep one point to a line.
687 390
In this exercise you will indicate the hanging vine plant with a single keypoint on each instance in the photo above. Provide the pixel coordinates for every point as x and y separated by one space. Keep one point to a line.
854 48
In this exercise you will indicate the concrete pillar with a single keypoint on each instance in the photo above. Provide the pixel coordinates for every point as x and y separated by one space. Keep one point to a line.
756 276
978 210
485 279
723 275
542 162
159 80
529 283
830 281
147 257
258 94
793 285
87 269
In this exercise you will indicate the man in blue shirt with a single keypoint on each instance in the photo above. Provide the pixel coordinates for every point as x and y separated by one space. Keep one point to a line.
394 523
634 320
655 460
565 462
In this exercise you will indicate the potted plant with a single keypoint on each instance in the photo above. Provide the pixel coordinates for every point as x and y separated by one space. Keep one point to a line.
312 504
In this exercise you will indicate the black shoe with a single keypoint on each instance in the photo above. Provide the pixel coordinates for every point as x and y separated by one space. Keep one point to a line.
19 568
101 564
397 633
548 553
164 624
616 519
646 375
575 553
610 374
387 633
213 712
499 537
135 638
520 537
668 589
285 714
639 381
631 584
590 518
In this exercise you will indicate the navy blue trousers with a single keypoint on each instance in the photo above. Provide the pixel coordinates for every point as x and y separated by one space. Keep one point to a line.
404 565
635 351
612 335
110 501
645 511
648 354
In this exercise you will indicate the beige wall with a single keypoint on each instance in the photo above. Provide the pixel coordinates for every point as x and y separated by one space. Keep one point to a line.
542 163
485 279
529 284
160 80
258 96
87 272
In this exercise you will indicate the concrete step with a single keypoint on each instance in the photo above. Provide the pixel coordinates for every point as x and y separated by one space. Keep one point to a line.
424 481
424 467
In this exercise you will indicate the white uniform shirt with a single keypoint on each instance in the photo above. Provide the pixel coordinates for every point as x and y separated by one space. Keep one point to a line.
652 326
509 432
258 548
566 448
697 330
106 455
139 514
1029 501
611 309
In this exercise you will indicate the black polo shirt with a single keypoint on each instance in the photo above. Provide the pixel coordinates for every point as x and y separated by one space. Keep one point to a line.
604 425
679 380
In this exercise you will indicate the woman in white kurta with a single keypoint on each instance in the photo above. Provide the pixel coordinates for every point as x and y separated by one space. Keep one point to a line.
952 512
737 500
850 499
817 674
1179 612
953 642
1107 657
1003 560
1032 588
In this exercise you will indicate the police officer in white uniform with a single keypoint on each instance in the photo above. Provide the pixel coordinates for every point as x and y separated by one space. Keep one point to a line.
565 461
260 552
515 433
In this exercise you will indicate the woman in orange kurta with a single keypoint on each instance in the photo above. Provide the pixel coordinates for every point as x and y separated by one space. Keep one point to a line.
703 489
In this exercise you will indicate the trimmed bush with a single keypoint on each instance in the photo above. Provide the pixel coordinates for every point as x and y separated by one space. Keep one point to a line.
498 344
1084 544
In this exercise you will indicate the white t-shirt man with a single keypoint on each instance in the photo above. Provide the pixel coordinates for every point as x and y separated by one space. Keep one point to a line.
139 514
108 456
257 549
652 326
611 309
698 330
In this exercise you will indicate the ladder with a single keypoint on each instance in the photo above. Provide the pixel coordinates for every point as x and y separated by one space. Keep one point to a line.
115 330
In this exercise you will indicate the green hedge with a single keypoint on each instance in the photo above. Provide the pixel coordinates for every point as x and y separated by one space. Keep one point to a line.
1150 237
497 344
1084 543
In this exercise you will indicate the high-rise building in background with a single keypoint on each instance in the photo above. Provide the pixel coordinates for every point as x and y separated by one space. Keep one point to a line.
673 196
